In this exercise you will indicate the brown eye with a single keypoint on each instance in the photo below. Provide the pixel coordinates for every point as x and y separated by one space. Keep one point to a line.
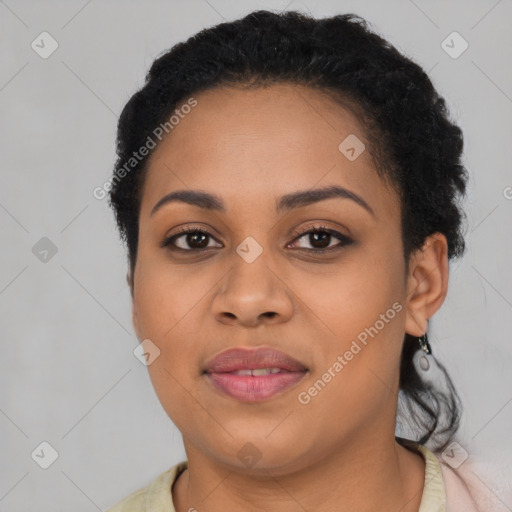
189 239
320 239
197 239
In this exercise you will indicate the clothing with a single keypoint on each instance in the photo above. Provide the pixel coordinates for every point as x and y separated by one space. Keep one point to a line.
443 491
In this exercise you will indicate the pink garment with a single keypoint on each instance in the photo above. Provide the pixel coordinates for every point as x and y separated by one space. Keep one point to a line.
454 485
467 491
458 497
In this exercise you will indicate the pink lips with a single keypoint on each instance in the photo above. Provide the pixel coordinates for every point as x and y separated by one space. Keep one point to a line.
252 388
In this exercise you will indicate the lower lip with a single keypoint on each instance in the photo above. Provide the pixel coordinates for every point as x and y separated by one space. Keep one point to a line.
254 388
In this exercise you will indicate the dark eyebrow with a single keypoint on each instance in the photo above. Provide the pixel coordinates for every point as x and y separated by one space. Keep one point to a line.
209 201
192 197
306 197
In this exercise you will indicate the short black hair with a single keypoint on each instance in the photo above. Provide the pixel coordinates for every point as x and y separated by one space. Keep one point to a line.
414 145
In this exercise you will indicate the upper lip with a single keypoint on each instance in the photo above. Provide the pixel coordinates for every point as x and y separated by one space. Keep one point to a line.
235 359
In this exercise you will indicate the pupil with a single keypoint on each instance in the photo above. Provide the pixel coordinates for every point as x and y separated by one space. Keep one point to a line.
322 235
192 236
325 236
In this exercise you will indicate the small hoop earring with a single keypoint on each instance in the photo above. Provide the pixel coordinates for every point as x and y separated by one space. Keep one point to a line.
425 345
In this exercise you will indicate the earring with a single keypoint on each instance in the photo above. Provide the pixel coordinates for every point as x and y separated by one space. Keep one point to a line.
425 345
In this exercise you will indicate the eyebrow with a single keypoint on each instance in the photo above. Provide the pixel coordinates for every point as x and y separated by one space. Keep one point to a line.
287 202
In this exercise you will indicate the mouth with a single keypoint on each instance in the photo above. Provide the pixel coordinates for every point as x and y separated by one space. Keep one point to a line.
253 375
263 358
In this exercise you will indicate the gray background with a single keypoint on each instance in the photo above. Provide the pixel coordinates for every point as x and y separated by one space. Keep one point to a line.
67 372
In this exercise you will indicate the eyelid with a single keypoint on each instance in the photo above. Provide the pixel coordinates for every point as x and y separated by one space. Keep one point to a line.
345 240
317 228
184 230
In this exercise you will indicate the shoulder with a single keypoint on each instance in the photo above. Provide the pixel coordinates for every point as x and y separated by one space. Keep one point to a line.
455 482
468 488
134 502
155 497
460 489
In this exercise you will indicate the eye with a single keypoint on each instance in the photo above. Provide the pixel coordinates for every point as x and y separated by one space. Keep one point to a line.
321 237
192 239
195 239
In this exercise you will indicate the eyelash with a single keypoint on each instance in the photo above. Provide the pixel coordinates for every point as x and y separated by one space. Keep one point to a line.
345 241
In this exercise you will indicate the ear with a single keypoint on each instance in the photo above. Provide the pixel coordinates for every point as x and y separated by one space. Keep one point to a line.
427 283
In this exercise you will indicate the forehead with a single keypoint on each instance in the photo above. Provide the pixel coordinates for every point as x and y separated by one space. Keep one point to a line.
258 144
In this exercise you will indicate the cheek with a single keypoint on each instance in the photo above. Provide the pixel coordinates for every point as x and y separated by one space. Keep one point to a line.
353 296
164 308
164 296
164 311
361 309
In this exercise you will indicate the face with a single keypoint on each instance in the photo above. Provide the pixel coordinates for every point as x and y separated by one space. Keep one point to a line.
334 299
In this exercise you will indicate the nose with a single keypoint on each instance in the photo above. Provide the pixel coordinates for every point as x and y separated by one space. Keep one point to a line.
252 294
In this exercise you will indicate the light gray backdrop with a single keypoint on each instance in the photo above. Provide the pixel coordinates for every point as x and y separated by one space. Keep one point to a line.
68 374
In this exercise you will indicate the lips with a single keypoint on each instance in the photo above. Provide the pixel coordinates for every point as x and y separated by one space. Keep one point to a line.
237 359
253 375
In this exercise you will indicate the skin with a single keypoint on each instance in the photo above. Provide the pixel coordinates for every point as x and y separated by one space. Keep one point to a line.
338 452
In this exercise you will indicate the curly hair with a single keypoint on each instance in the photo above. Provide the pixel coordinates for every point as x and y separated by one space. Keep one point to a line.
414 145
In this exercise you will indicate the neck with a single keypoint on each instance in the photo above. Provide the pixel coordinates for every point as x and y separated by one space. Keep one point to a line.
363 476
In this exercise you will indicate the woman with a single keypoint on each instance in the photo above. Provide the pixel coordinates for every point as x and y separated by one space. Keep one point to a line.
288 190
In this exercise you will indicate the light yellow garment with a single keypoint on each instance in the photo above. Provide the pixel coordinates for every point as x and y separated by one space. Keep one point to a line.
157 496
